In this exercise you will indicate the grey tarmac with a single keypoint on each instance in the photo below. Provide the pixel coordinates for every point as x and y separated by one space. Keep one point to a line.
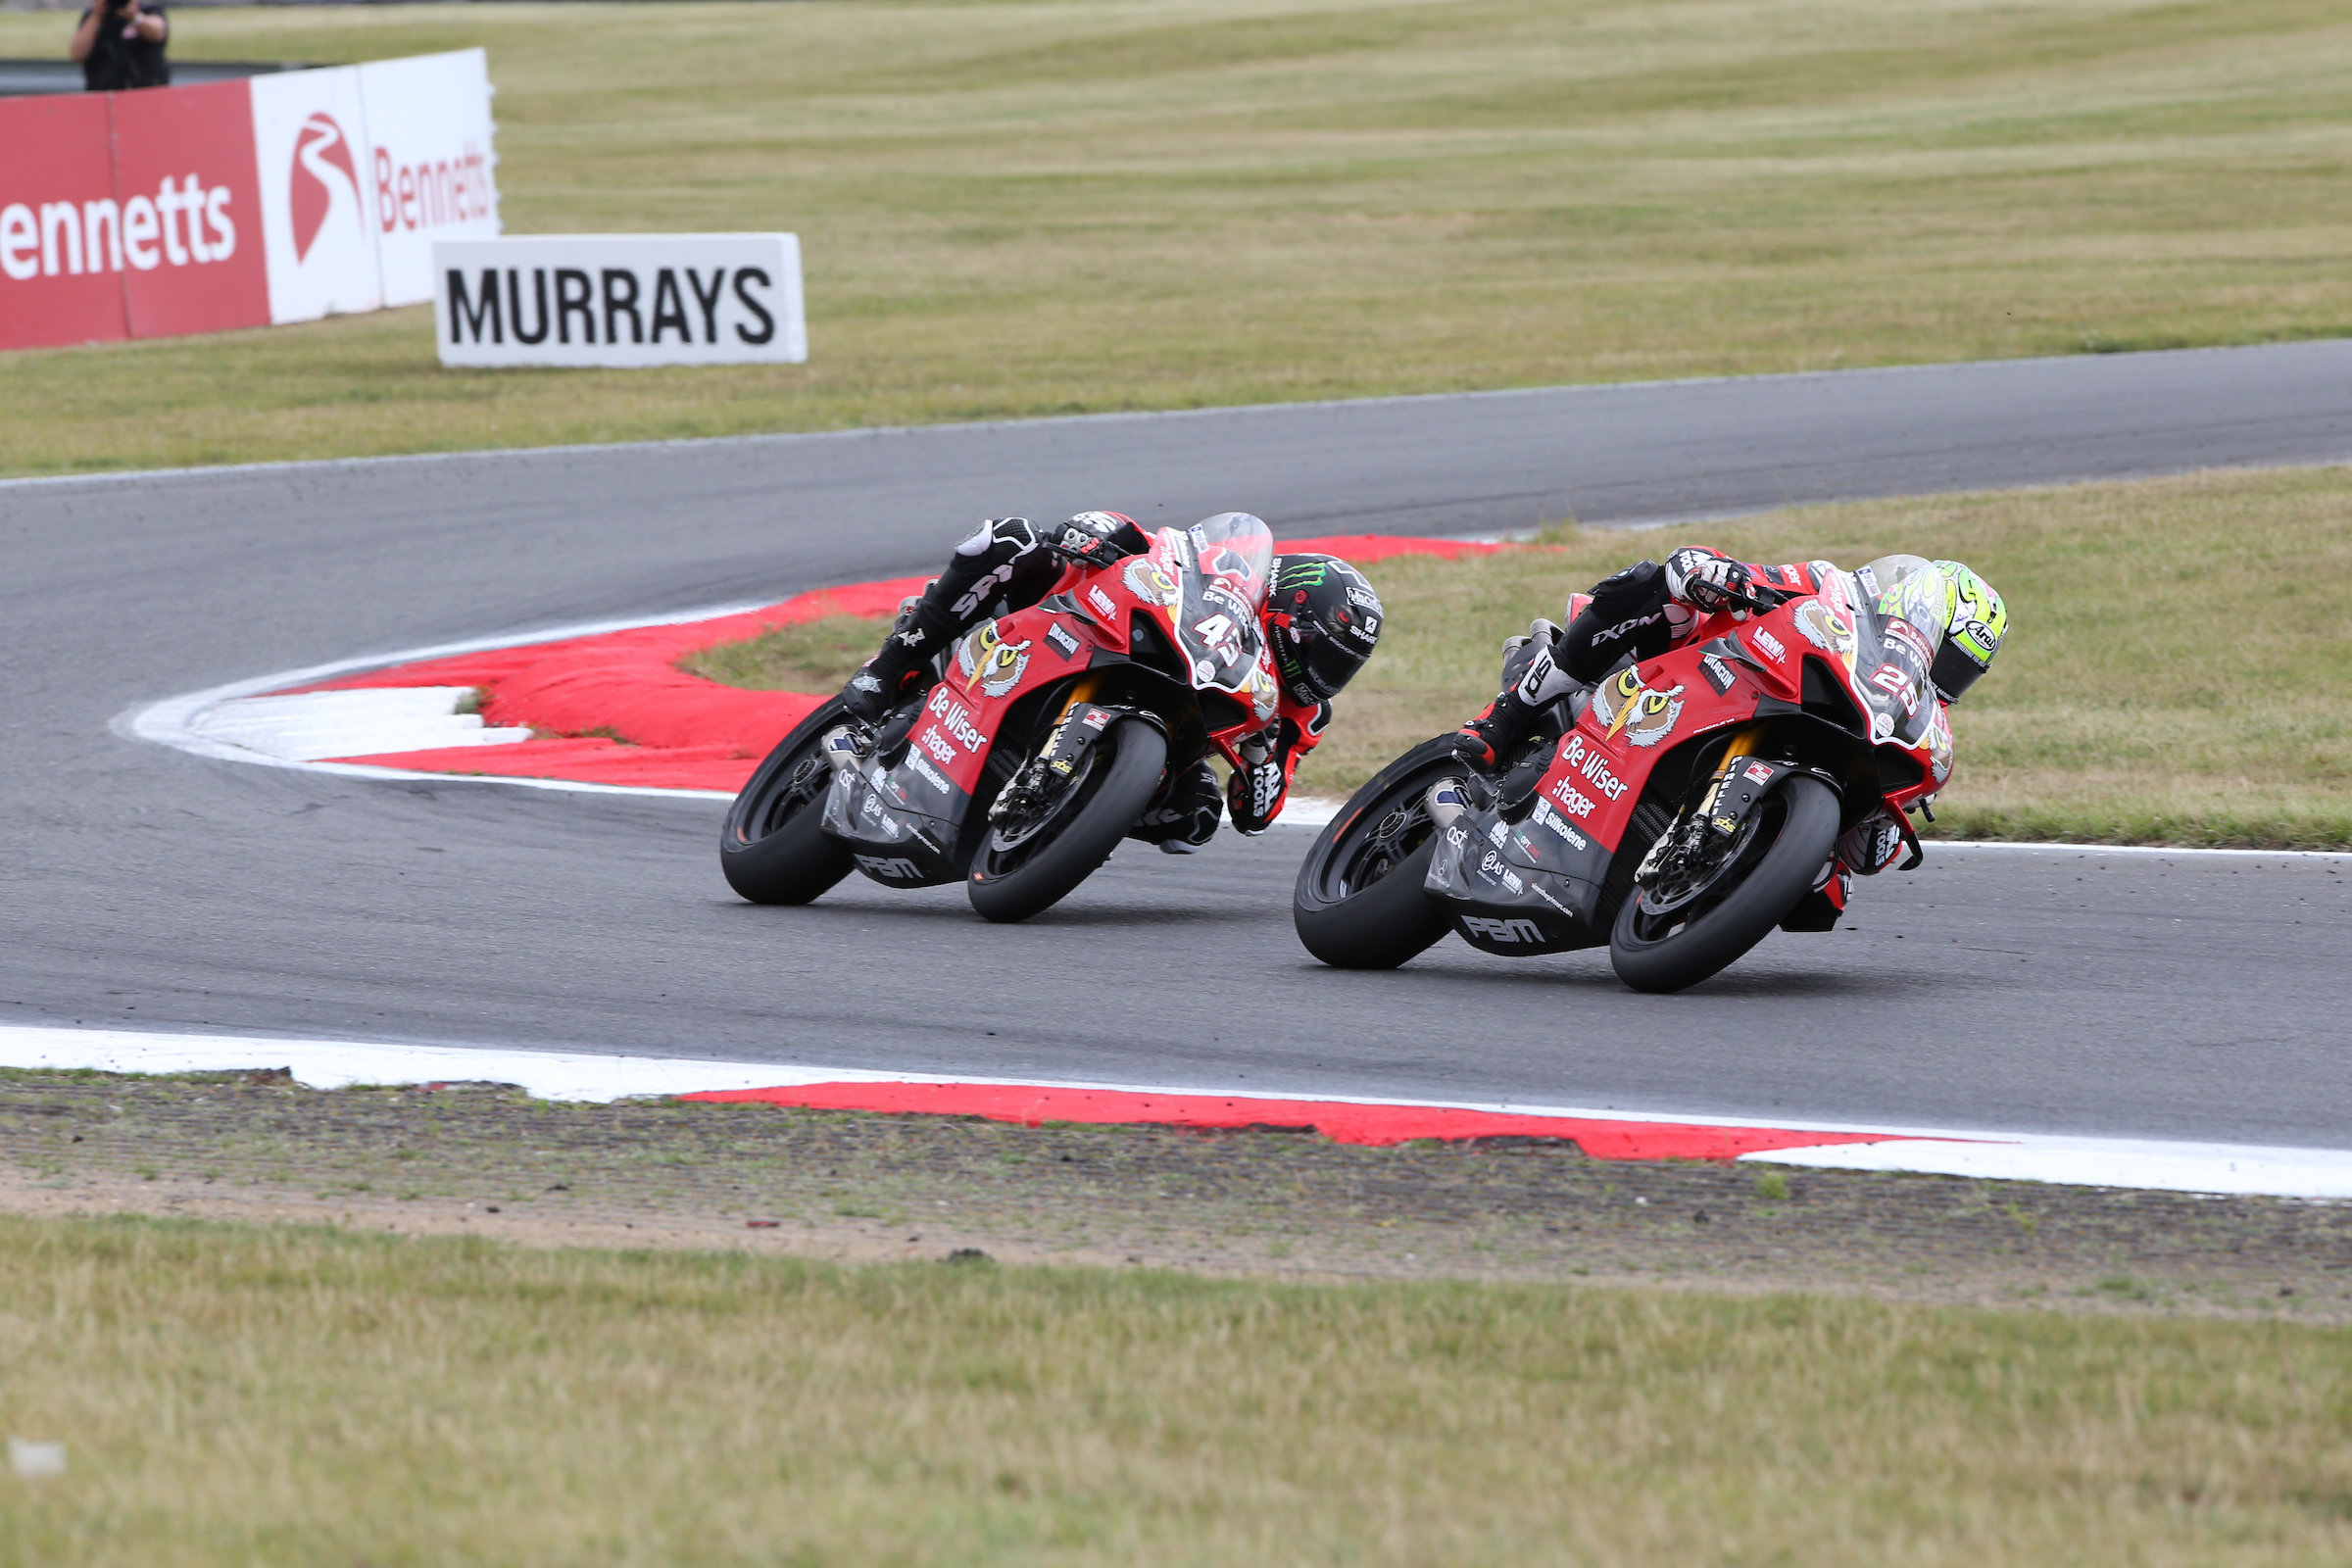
2062 990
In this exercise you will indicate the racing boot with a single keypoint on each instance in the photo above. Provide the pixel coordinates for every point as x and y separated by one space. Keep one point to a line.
882 683
1496 734
949 605
1529 675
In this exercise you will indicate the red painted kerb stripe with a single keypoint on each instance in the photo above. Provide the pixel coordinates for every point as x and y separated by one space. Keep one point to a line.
613 707
1338 1120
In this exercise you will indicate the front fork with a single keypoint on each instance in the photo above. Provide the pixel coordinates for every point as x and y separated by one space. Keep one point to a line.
1685 828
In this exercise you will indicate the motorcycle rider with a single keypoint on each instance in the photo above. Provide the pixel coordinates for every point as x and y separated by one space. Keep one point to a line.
1646 609
1321 621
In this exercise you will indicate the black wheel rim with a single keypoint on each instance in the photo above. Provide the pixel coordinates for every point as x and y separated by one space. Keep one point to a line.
799 783
1012 842
1679 896
1391 831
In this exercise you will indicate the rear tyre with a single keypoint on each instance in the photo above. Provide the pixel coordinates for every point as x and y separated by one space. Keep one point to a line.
1017 874
1704 932
1359 902
772 848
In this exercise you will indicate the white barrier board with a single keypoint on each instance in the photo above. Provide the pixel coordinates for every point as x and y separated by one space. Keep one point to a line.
620 300
430 174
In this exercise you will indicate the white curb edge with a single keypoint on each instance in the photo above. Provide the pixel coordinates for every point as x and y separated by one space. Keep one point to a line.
2151 1165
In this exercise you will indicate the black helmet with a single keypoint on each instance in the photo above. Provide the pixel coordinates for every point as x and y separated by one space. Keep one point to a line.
1323 620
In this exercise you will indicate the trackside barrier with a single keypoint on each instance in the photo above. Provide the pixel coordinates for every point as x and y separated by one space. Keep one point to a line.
620 300
233 204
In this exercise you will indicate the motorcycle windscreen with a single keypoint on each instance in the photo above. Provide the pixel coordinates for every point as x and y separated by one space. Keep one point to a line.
1236 550
1216 630
1902 702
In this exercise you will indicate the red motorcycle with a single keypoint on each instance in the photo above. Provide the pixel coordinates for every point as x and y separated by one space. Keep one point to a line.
1679 810
1046 734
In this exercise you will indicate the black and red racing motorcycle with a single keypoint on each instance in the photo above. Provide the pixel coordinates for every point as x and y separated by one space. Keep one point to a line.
1680 811
1043 739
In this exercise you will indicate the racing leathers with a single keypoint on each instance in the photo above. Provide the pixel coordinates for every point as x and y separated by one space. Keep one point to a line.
1009 563
1635 615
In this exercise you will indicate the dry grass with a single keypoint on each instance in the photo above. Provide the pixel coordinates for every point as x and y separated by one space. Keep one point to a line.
1076 204
303 1396
2180 672
813 655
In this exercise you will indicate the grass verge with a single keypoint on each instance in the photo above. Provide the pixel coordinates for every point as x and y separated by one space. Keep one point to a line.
2179 672
1055 205
256 1396
302 1394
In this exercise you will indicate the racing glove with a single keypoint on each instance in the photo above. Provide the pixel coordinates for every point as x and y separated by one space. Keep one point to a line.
1254 795
1098 539
1710 583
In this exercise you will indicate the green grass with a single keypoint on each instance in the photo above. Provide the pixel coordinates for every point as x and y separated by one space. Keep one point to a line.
2179 668
260 1396
1026 208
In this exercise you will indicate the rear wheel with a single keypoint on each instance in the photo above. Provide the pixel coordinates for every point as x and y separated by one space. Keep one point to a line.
1359 902
1031 860
772 849
1686 922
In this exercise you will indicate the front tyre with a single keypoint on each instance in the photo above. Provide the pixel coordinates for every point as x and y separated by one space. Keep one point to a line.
1030 865
1704 928
1359 902
772 848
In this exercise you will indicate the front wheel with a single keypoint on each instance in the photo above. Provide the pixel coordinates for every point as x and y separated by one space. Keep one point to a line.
1668 937
773 847
1359 903
1030 862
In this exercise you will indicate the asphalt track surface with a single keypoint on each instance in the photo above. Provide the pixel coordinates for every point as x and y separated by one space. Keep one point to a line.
2059 991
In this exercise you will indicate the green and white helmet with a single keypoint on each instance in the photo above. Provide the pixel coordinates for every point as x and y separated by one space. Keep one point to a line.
1961 614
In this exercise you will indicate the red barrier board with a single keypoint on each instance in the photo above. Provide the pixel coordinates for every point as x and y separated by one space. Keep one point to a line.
236 204
191 210
61 231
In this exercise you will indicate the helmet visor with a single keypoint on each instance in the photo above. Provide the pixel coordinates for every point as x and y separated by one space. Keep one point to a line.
1313 666
1954 671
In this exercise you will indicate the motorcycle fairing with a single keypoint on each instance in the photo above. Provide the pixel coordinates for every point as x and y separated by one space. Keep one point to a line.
900 823
905 822
1512 886
1535 885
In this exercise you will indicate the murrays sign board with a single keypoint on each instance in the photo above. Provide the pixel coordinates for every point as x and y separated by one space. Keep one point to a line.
620 300
279 198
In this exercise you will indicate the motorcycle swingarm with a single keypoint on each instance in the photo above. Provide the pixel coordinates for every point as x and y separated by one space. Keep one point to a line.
1501 903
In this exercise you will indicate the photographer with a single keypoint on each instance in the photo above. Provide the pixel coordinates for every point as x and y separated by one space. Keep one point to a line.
121 45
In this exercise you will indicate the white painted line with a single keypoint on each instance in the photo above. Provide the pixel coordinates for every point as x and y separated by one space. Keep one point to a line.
371 721
2151 1163
178 721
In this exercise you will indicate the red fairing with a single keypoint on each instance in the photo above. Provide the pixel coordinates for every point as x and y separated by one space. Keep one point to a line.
999 661
1597 772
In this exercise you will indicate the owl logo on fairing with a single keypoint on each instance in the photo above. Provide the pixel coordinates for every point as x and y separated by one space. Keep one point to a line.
322 159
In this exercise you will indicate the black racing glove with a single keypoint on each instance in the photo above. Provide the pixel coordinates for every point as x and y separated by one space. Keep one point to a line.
1254 795
1097 539
1710 583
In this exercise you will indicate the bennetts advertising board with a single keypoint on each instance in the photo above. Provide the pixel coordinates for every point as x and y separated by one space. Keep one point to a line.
278 198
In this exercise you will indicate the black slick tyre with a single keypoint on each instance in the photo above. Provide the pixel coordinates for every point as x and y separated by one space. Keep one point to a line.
1796 826
771 848
1359 903
1123 768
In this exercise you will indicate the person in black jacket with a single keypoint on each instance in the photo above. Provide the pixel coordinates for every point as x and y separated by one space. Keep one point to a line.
121 45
